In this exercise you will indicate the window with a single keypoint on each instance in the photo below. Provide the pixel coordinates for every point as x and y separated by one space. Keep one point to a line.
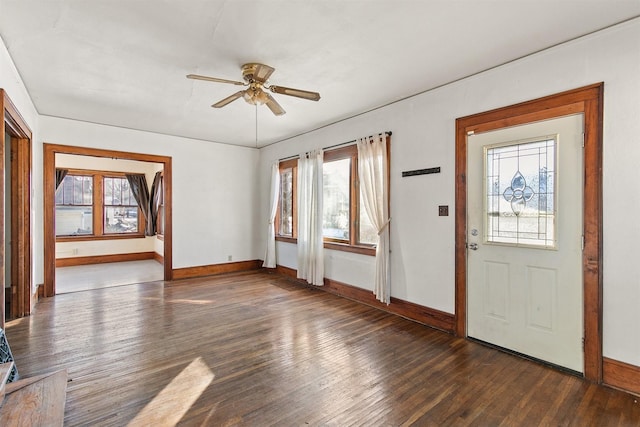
120 207
96 205
344 220
345 223
286 226
336 176
74 206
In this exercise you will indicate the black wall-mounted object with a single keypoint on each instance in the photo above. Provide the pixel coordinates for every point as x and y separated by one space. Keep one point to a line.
420 172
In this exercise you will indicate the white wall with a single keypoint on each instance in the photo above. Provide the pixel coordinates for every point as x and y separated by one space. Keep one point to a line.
214 187
11 82
422 243
73 161
80 248
104 247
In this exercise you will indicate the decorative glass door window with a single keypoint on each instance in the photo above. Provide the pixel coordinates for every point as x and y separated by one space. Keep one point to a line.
520 193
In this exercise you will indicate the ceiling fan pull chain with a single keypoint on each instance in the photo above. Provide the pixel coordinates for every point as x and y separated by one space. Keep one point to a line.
256 105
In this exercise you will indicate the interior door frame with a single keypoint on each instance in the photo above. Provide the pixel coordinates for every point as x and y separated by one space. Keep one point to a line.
588 101
49 172
21 251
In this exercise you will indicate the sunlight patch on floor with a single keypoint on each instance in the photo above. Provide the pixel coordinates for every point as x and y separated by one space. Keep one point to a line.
105 275
173 402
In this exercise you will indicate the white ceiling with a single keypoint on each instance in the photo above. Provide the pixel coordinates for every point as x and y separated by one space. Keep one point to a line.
123 62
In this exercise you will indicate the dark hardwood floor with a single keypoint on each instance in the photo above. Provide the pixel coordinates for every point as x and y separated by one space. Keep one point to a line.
255 349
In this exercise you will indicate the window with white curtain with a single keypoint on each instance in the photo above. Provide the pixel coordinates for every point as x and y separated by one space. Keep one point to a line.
286 224
345 223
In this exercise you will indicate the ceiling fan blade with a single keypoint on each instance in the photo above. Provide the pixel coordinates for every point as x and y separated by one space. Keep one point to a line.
304 94
214 79
274 106
228 99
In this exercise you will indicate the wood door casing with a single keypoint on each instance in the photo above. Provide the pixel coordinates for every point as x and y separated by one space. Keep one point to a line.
14 125
49 153
587 100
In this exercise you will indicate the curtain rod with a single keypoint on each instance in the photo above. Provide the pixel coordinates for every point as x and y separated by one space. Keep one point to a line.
388 133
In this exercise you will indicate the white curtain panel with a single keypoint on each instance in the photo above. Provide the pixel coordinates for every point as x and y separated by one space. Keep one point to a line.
374 187
270 255
310 244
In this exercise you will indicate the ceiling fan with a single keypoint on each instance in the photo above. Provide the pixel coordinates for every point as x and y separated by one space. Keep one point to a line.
255 77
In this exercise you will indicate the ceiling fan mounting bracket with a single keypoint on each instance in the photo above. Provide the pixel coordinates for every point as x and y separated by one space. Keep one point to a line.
249 72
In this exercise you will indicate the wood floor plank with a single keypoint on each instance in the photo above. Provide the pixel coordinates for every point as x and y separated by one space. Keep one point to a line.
282 354
36 402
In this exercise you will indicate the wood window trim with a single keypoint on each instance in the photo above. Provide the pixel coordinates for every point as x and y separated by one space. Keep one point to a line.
587 101
98 209
87 238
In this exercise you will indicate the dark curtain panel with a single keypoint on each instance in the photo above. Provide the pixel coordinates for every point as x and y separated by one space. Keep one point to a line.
138 184
60 174
154 202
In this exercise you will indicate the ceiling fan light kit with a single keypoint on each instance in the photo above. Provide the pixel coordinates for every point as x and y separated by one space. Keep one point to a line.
255 95
255 76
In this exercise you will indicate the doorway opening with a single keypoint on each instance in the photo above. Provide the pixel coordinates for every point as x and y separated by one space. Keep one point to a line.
15 213
587 101
103 236
78 238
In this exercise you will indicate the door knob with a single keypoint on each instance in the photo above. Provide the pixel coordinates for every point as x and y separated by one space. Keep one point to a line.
473 246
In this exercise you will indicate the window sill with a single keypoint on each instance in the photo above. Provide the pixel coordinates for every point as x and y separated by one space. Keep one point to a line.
363 250
286 239
103 237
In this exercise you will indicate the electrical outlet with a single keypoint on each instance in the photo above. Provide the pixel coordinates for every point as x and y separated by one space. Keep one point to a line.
229 258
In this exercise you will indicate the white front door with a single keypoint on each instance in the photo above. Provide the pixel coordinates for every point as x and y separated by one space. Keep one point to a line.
524 234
